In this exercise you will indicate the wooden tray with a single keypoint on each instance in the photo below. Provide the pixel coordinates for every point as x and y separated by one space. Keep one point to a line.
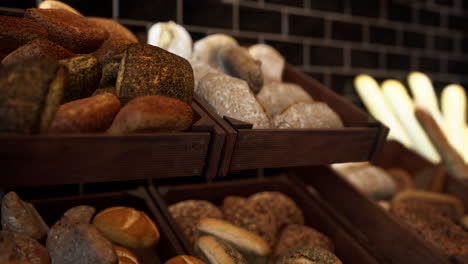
246 148
347 249
373 226
425 173
78 158
52 209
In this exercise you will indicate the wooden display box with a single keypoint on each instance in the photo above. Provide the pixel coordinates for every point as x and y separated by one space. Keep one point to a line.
246 148
346 248
29 160
427 175
376 228
52 209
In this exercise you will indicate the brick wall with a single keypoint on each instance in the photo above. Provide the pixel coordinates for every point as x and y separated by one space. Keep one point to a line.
332 40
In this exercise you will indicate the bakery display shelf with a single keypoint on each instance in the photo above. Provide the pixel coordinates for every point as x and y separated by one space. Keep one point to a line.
427 175
247 148
346 248
49 159
374 227
52 209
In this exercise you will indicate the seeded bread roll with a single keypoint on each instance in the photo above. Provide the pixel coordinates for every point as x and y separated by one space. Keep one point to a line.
84 74
402 179
243 213
294 236
125 256
184 259
127 227
284 208
188 213
208 48
272 62
216 251
308 115
254 248
15 32
92 114
19 248
309 256
153 113
68 29
30 94
21 217
55 4
38 48
149 70
277 96
433 227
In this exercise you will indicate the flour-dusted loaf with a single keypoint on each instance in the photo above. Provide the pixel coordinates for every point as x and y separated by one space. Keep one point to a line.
15 32
84 74
208 48
272 62
92 114
38 48
55 4
19 248
74 32
307 255
30 94
216 251
153 113
308 115
149 70
200 69
171 37
277 96
232 97
21 217
237 62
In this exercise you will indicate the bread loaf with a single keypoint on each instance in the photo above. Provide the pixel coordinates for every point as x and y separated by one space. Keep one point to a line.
277 96
68 29
125 256
127 227
207 49
149 70
200 69
21 217
184 259
272 62
15 32
171 37
216 251
187 214
30 94
38 48
114 29
309 255
92 114
308 115
110 70
55 4
153 113
19 248
254 248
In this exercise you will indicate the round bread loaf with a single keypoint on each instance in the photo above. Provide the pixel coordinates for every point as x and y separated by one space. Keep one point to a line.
272 62
184 259
153 113
18 248
68 29
127 227
284 208
125 256
171 37
308 115
188 213
309 255
15 32
243 213
277 96
208 48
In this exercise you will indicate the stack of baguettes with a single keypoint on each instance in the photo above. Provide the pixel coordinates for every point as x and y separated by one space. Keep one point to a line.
62 72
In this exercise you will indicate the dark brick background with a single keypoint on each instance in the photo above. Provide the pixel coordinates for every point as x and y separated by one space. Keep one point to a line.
331 40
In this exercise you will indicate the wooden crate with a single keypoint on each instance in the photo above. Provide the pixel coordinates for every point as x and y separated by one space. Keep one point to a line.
376 228
346 248
52 209
29 160
247 148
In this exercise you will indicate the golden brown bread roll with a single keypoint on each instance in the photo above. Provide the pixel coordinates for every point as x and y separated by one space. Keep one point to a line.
216 251
92 114
38 48
127 227
125 256
153 113
19 248
68 29
184 259
309 256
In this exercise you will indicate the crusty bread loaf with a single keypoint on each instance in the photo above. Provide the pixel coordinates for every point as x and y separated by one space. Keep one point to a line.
15 32
68 29
30 94
208 48
254 248
308 115
187 214
21 217
92 114
55 4
127 227
277 96
19 248
184 259
149 70
153 113
216 251
110 70
38 48
314 255
272 62
125 256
